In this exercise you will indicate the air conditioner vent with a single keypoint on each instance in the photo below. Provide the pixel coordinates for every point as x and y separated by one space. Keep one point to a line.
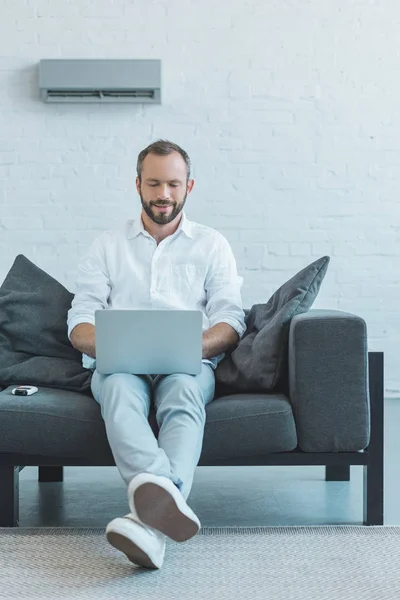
100 80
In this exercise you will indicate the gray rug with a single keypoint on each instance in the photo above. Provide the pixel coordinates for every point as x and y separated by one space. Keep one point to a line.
281 563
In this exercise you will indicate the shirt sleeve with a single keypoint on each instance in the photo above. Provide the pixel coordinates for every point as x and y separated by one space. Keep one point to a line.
223 288
92 286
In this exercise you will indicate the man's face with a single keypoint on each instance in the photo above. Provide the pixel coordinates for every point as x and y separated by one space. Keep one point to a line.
164 186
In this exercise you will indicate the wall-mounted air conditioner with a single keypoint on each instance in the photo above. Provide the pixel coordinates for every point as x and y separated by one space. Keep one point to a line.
100 80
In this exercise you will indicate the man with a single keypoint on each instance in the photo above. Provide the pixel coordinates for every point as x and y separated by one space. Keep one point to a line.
159 260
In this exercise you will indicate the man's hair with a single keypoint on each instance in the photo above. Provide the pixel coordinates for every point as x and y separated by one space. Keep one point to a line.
162 148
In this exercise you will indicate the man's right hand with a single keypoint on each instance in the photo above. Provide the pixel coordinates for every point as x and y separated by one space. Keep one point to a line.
83 339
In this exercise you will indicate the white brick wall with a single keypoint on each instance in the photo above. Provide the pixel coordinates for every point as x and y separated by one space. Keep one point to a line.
289 110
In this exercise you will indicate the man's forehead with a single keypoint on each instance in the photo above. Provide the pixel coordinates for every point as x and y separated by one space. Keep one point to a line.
173 161
153 173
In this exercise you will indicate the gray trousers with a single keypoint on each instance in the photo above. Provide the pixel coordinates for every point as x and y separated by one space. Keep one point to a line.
179 401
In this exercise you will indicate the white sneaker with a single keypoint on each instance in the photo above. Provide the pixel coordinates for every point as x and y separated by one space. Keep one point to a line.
141 544
156 501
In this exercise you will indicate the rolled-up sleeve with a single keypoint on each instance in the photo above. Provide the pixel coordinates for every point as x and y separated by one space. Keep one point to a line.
92 286
223 288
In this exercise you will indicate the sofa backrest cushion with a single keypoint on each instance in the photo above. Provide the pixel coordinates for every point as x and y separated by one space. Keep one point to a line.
34 346
259 362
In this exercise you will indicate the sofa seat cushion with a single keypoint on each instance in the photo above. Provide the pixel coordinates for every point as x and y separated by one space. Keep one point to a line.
244 425
53 422
61 423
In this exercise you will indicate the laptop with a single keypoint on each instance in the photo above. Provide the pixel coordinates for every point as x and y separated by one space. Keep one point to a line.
149 341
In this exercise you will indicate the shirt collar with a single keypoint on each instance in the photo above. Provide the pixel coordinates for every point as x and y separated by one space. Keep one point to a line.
137 227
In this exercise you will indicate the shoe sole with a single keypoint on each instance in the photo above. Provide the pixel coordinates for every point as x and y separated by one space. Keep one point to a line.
135 554
157 508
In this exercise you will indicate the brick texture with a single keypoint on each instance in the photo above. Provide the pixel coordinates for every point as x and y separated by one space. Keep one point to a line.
289 111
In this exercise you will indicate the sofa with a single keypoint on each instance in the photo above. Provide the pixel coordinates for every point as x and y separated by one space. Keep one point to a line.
329 411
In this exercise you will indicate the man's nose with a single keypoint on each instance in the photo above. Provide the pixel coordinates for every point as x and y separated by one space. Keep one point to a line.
163 192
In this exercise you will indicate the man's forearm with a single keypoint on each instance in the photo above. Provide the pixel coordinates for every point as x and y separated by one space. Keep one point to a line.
83 339
219 338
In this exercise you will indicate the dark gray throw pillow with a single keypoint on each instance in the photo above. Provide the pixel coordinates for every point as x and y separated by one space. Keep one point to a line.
34 345
259 361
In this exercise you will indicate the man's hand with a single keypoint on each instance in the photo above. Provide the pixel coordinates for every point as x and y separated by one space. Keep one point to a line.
219 338
83 339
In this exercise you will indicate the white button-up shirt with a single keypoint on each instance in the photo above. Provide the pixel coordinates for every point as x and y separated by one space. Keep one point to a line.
194 268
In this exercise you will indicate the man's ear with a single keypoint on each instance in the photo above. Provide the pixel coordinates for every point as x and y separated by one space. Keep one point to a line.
138 185
190 185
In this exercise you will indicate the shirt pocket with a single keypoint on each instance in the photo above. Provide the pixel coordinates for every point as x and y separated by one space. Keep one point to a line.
184 283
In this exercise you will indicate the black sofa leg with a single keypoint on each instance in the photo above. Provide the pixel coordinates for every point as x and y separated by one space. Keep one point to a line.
9 496
337 473
374 470
51 474
373 496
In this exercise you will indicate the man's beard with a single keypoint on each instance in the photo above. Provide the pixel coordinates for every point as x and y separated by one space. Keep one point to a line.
159 217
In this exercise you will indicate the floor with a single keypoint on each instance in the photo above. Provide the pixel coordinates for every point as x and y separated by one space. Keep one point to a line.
221 496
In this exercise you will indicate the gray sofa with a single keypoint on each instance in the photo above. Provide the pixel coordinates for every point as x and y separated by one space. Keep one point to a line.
330 413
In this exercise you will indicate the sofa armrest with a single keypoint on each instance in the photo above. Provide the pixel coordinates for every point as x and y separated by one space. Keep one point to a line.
328 381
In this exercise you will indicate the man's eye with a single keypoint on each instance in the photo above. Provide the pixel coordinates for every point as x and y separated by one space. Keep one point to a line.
156 184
